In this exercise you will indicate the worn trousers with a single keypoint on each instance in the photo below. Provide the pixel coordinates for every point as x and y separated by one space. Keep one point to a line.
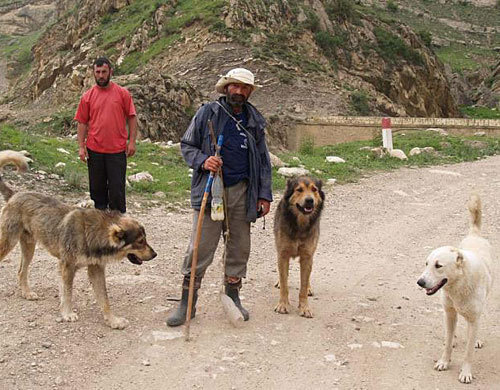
107 179
238 245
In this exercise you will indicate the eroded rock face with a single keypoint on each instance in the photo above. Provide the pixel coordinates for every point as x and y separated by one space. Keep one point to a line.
164 105
398 86
266 16
61 70
26 18
489 92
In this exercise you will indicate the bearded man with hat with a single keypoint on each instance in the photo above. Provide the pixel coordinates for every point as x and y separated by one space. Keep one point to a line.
246 172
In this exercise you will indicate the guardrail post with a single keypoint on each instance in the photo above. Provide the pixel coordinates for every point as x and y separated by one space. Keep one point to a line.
386 133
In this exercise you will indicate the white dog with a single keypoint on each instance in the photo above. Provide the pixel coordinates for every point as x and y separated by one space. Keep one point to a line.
465 276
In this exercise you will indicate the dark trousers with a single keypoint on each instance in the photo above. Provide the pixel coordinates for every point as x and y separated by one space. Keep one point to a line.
107 179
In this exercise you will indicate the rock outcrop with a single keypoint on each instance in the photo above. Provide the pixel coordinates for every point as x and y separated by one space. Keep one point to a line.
310 59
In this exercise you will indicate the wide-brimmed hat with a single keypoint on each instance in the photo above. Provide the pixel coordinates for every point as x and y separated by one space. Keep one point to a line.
237 76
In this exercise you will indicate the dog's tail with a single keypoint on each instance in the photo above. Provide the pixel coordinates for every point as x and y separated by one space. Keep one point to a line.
475 214
11 157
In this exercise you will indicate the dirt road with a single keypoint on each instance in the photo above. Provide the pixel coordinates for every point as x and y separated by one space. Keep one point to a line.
373 327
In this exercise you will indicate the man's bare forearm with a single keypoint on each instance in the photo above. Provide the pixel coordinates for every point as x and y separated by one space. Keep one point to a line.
132 128
82 131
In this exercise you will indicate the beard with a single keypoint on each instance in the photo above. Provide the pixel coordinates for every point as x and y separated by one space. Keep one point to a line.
236 100
102 82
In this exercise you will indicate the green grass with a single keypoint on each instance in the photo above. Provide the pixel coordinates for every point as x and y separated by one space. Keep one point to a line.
392 48
122 26
9 2
361 163
59 123
45 154
18 49
458 58
116 27
171 174
281 45
188 11
480 112
136 59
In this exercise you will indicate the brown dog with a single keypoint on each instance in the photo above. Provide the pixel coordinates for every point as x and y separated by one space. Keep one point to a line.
77 237
296 233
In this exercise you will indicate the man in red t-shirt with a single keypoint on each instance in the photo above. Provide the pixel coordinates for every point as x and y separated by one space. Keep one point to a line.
103 114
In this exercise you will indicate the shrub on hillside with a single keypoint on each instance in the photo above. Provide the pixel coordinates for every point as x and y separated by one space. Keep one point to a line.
312 22
359 103
426 37
392 6
340 10
392 47
330 43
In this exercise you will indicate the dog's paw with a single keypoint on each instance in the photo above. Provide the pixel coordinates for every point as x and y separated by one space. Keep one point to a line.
117 322
69 317
282 308
479 344
305 311
465 375
441 365
29 295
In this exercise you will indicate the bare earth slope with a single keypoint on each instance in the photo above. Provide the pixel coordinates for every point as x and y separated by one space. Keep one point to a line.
374 240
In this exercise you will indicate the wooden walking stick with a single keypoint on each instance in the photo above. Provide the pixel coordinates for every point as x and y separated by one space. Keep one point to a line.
194 260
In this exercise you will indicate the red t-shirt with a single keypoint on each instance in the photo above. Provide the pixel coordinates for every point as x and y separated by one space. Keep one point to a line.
106 110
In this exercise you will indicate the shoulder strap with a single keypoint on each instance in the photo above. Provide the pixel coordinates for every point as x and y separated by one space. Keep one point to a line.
238 123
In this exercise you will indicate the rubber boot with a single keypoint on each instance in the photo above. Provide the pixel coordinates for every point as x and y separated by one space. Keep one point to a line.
233 292
178 317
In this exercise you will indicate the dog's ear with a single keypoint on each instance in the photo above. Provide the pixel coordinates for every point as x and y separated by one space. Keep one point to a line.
116 235
290 187
319 185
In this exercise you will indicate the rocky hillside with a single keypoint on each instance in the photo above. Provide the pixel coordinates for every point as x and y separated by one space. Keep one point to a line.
312 57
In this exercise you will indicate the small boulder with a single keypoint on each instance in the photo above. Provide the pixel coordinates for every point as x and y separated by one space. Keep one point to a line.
334 159
415 151
141 176
61 150
437 130
291 172
398 153
276 161
429 150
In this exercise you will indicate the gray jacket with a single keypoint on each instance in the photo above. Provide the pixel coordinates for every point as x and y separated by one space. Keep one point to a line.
196 147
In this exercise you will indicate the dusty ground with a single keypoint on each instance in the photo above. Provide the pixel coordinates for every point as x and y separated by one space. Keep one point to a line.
374 240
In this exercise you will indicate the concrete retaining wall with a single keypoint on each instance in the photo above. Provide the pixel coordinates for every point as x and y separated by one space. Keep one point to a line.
338 129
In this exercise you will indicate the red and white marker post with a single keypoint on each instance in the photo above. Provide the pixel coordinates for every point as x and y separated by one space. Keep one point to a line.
386 133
